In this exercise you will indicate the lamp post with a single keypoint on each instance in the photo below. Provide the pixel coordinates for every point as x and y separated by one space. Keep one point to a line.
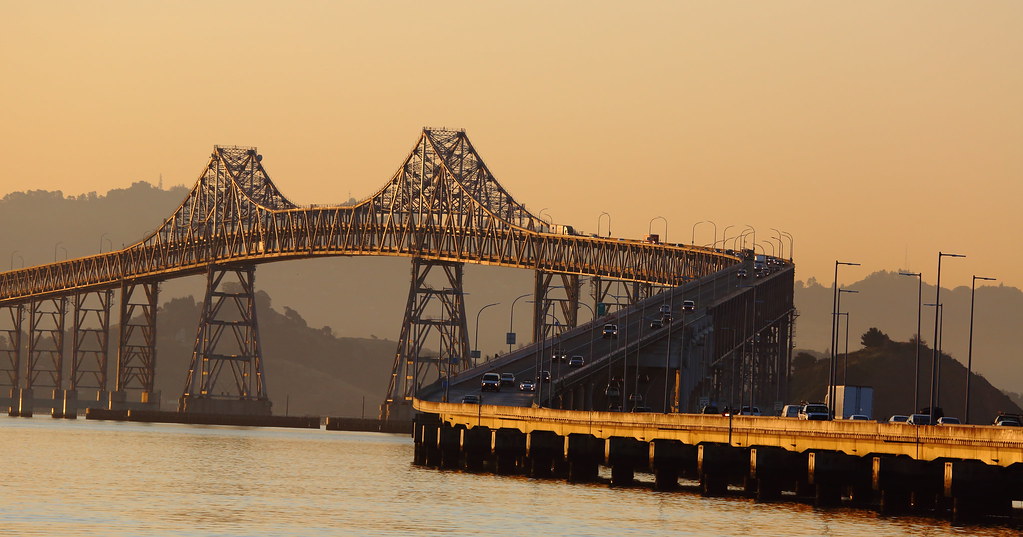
711 222
511 321
789 237
101 239
781 245
845 354
538 394
476 338
12 258
834 334
55 246
935 356
650 227
838 306
919 304
969 354
603 214
724 235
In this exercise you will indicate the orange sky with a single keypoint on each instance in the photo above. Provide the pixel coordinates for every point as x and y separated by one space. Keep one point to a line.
877 132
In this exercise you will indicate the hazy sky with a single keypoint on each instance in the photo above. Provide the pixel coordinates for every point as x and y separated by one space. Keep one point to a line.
876 132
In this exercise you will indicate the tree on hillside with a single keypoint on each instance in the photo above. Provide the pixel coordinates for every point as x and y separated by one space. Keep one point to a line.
803 359
874 338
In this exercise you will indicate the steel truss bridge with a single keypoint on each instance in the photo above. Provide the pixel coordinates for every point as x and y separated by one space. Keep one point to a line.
442 208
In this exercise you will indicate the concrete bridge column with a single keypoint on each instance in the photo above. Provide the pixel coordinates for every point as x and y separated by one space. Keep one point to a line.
449 443
584 453
509 449
475 445
829 472
68 404
624 455
773 469
425 436
976 489
543 449
26 400
720 464
670 459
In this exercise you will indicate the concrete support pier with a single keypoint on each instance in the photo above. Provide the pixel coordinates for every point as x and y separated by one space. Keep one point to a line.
583 453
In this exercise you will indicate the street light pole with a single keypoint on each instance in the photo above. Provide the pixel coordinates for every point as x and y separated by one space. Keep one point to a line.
935 356
12 258
969 354
476 338
724 235
919 311
834 334
602 214
649 229
511 318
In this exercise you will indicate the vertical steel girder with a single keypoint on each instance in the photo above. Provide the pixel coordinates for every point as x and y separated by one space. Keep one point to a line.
547 323
411 369
91 340
11 346
241 356
136 342
45 365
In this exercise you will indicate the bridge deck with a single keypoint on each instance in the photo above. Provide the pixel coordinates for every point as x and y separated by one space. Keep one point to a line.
992 445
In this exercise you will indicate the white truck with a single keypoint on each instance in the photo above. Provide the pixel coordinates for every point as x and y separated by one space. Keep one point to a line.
851 400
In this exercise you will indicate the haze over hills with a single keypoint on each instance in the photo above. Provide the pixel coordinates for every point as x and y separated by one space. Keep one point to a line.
364 297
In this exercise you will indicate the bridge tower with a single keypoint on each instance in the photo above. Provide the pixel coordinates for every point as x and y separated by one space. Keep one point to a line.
548 324
229 308
10 355
136 344
411 368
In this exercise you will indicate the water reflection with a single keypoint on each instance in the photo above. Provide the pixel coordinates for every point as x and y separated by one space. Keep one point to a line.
81 478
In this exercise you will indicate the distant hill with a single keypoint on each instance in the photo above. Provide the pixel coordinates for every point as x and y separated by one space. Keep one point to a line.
888 368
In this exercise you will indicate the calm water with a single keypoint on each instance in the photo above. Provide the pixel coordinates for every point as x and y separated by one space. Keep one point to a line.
73 478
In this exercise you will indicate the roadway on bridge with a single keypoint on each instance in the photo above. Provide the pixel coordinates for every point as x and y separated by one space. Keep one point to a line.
587 341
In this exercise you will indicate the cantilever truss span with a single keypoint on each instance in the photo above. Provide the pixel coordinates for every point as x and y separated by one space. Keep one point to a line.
442 204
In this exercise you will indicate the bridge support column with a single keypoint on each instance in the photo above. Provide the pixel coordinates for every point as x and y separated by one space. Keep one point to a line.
26 400
830 472
671 459
774 469
244 391
624 455
65 404
509 449
425 429
977 489
550 324
45 364
91 341
411 369
584 453
476 446
893 479
136 341
719 465
543 449
450 443
10 356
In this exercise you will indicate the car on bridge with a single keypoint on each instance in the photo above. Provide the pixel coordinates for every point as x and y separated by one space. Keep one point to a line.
949 420
545 376
664 309
919 419
576 361
527 386
815 412
790 411
656 323
491 382
898 418
688 305
471 399
507 379
741 273
610 331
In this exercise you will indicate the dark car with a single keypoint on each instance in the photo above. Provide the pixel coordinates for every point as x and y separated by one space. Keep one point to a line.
545 376
527 386
710 409
688 305
576 361
491 382
471 399
741 273
815 412
664 309
656 323
610 331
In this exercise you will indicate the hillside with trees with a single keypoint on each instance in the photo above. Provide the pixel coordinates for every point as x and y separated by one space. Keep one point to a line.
887 366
